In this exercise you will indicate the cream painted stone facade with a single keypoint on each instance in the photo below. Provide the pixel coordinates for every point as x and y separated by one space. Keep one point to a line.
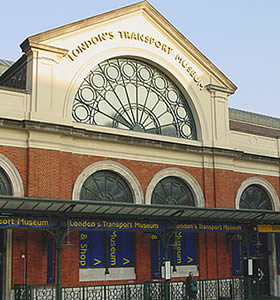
57 62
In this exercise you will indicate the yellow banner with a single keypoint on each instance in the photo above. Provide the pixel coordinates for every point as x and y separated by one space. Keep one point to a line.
268 228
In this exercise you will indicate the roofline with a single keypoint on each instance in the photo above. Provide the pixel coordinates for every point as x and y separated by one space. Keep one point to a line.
147 8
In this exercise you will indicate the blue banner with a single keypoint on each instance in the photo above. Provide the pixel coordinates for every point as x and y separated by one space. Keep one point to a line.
237 259
97 249
120 251
185 248
126 251
155 257
277 240
18 222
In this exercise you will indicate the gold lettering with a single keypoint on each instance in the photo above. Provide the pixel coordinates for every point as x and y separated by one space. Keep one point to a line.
126 34
158 44
75 52
164 48
169 49
140 37
94 40
121 34
133 36
111 35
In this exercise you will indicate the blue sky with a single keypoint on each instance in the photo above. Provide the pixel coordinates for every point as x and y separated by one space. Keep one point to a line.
241 37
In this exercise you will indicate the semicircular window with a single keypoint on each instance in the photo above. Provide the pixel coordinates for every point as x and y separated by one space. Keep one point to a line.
129 94
106 186
5 184
255 197
172 191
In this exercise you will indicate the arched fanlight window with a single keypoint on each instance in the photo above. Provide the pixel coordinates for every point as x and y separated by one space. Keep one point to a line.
255 197
129 94
5 184
172 191
106 186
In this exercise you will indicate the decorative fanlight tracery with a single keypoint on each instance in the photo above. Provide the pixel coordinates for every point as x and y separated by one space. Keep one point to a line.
129 94
255 197
106 186
172 191
5 184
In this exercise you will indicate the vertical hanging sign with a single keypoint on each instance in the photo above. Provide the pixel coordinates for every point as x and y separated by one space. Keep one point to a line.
237 258
113 246
185 250
277 240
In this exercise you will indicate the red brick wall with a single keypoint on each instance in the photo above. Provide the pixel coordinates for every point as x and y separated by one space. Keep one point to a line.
52 174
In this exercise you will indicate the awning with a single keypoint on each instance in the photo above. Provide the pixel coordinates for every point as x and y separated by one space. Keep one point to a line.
93 209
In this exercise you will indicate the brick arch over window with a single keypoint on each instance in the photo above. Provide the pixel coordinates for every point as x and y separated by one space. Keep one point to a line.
256 193
112 171
10 177
182 181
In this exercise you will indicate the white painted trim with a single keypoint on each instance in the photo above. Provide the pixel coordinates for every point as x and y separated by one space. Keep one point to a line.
110 165
262 182
185 176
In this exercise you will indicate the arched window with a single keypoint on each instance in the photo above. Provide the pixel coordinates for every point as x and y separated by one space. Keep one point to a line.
129 94
106 186
255 197
172 191
5 184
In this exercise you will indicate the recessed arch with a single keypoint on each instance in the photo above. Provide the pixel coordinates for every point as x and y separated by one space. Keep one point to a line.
181 175
109 165
264 184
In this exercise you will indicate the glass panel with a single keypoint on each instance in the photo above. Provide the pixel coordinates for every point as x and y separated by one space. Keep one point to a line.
172 191
255 197
5 184
106 186
132 95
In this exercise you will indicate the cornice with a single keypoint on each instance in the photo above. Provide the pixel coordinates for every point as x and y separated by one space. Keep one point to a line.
167 145
28 45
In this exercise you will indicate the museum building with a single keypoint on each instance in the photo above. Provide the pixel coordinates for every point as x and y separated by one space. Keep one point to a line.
121 163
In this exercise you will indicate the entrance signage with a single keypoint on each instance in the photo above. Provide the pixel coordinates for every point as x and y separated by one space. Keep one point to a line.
118 247
212 227
115 225
185 248
17 222
125 225
139 37
269 228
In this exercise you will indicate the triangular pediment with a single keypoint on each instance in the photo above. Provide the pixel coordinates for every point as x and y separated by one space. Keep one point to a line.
131 22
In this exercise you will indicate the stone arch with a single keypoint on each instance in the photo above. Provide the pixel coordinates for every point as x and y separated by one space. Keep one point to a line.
184 176
263 183
13 175
109 165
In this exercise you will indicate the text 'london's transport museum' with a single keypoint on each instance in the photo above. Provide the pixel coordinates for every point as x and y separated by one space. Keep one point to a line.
122 169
